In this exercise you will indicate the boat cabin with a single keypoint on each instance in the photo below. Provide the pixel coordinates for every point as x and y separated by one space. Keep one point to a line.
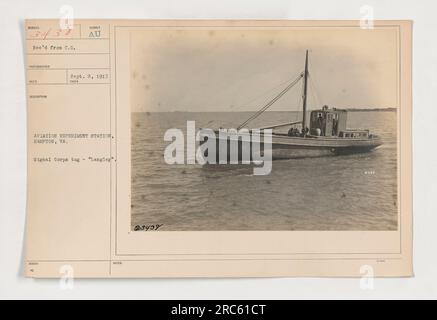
328 122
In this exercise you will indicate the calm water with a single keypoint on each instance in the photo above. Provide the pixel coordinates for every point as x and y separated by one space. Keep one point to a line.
330 193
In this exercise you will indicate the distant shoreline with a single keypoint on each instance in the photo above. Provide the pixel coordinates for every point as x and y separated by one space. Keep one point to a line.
349 110
372 110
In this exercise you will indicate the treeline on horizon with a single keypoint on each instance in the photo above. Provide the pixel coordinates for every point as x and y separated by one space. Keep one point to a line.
370 109
390 109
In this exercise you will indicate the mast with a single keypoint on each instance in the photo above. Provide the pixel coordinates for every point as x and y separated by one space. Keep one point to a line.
304 97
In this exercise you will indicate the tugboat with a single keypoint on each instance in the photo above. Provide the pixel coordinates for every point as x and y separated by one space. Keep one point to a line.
326 135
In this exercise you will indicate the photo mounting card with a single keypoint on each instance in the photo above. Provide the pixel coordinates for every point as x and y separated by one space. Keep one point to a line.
179 148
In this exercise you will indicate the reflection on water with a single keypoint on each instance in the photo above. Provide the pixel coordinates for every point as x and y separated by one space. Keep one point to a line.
353 192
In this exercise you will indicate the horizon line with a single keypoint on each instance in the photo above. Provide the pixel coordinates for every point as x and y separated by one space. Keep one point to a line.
212 111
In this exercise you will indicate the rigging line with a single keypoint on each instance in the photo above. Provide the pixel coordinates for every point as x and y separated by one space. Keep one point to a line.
314 92
267 91
299 102
276 98
316 85
301 95
257 114
302 92
271 102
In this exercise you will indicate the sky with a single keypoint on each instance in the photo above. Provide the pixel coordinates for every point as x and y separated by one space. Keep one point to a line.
242 69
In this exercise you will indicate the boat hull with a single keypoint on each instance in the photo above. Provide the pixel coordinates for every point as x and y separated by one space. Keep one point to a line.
286 147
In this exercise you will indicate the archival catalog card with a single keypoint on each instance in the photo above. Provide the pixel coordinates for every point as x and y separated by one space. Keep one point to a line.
219 148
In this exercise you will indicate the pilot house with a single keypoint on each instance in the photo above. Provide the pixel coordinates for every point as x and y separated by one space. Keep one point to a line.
332 123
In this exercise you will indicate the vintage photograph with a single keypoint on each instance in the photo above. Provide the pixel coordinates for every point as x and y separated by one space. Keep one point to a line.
264 128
